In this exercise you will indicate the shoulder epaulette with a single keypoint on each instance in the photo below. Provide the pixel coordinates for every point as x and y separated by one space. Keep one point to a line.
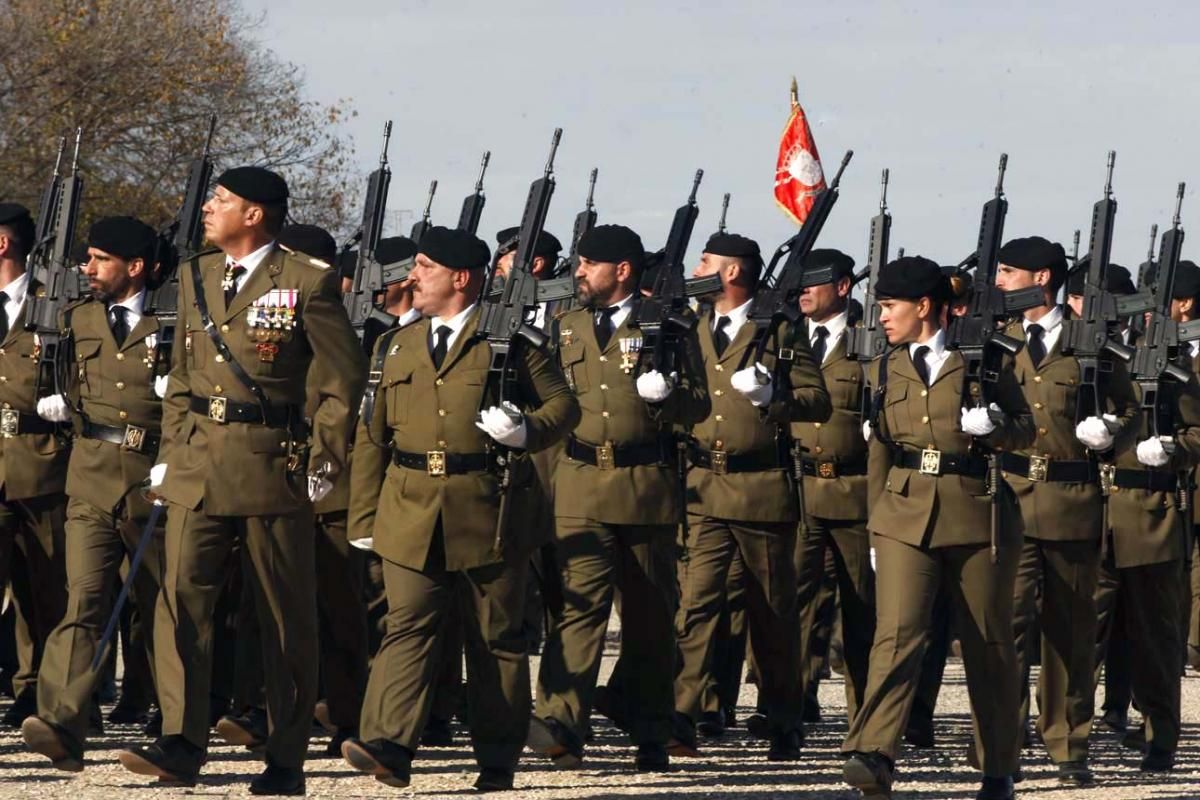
305 257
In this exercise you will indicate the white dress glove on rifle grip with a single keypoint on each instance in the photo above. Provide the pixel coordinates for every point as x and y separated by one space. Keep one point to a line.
1152 453
753 383
980 421
653 387
160 386
504 423
54 408
157 473
1095 434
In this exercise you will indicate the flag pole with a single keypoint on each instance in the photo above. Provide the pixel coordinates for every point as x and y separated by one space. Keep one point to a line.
795 94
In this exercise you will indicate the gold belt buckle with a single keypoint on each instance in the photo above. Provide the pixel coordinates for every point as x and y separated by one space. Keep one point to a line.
216 408
1039 468
826 469
604 456
931 462
1108 478
720 462
135 438
10 422
435 463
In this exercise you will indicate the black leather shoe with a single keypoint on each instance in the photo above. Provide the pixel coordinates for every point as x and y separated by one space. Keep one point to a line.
279 781
919 733
652 757
172 759
785 746
153 724
870 773
711 724
437 733
126 714
611 704
1116 719
555 741
995 789
53 742
492 779
248 729
1075 773
24 706
683 737
322 718
390 763
1157 760
1135 738
756 726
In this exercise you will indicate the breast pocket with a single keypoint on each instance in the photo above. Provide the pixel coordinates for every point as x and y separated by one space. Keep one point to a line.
398 387
87 364
1064 396
895 410
574 366
846 392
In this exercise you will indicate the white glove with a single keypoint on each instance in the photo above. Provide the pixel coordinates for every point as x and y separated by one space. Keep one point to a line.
160 386
318 487
866 431
1094 433
54 408
980 421
754 383
1152 453
653 387
366 543
504 423
157 473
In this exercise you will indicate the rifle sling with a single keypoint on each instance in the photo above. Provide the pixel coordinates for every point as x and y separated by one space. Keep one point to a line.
375 377
214 334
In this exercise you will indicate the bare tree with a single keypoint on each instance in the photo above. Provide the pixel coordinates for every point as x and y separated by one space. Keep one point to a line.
141 77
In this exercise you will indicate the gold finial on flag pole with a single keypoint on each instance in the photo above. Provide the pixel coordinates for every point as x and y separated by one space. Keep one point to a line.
795 93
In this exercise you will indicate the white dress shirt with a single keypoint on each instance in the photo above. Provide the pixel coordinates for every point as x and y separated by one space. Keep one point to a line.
737 318
624 307
250 262
836 327
455 324
408 318
936 356
1051 324
133 309
15 292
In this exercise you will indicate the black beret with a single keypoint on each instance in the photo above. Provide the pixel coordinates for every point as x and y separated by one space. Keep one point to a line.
1116 280
13 212
732 245
612 244
838 264
1187 281
395 248
547 243
256 184
911 278
455 249
1033 253
312 240
123 237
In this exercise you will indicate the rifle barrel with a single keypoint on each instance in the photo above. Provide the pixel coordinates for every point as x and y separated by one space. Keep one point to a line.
695 187
75 157
1000 178
883 186
553 149
1175 221
1112 160
387 137
487 156
212 128
838 177
591 188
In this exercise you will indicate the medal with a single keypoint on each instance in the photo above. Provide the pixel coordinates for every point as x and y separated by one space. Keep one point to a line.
567 337
267 351
630 347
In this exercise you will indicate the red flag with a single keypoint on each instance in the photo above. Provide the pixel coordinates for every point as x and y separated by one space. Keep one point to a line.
798 174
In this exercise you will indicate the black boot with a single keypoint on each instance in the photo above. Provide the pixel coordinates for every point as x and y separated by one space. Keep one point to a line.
390 763
171 759
279 781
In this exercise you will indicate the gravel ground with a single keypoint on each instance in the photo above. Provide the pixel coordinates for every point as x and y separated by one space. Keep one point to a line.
732 767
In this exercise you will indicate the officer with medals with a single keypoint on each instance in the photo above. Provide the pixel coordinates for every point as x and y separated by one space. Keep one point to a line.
742 499
617 505
237 462
110 391
432 511
931 525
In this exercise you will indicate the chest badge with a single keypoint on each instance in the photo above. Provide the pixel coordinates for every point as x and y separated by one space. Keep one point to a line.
272 317
630 347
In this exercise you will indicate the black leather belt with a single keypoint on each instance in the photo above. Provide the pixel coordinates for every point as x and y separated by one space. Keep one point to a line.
935 462
832 468
223 410
1048 470
439 463
130 437
720 462
615 456
15 423
1150 480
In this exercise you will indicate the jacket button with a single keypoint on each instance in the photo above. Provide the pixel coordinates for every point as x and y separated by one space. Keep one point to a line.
120 384
924 420
220 358
439 382
604 414
718 367
719 418
818 450
1037 378
224 329
718 392
441 412
120 356
817 425
217 389
719 444
604 387
924 393
1041 431
442 443
123 414
1037 406
604 358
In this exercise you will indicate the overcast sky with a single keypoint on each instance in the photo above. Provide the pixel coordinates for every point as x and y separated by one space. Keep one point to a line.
651 91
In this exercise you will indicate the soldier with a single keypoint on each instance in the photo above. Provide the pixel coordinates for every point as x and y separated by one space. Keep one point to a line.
1142 575
33 471
835 484
436 501
236 462
617 504
931 525
1056 482
742 499
111 389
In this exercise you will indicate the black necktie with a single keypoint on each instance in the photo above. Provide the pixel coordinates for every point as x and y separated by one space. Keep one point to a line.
720 337
920 364
441 339
1035 344
232 273
819 344
604 326
120 324
3 315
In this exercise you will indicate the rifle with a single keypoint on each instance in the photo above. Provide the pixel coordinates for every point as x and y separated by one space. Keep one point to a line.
1075 249
51 266
866 341
472 207
661 317
775 302
368 275
724 212
502 323
1089 338
1147 269
48 208
419 228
